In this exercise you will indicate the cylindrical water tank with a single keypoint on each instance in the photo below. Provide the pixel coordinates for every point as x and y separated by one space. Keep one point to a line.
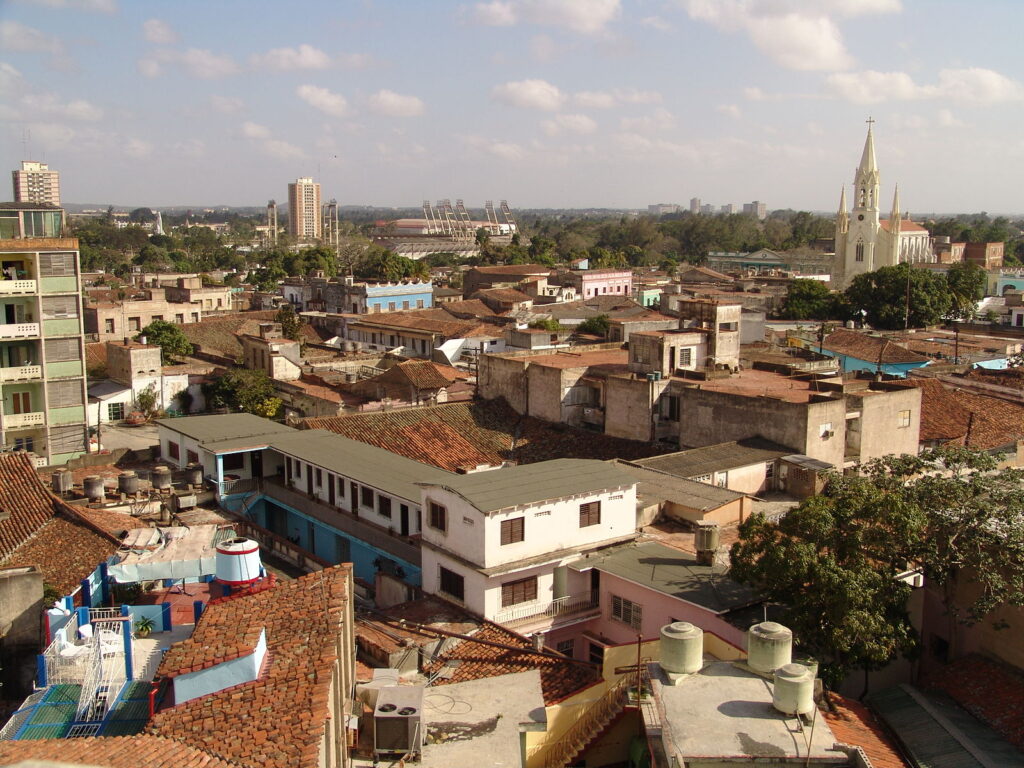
61 480
707 537
769 646
682 648
238 561
128 482
92 485
161 477
194 474
794 690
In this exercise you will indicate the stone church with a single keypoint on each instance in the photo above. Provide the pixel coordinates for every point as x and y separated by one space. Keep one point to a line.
866 242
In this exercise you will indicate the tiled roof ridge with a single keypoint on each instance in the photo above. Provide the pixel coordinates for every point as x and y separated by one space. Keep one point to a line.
261 586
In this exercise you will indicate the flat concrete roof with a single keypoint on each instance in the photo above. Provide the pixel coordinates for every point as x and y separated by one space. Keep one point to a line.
658 485
724 713
754 382
210 430
672 572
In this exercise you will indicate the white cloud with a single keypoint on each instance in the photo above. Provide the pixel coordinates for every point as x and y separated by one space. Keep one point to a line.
320 98
287 59
543 47
971 86
578 124
101 6
190 148
159 32
15 36
354 60
529 94
150 67
393 104
659 120
505 150
729 109
282 150
10 79
795 34
208 65
585 17
948 120
226 104
656 22
138 148
80 110
255 130
615 97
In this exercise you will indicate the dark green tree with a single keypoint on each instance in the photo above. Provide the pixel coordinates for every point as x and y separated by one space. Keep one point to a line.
598 326
807 300
169 337
291 325
245 390
966 283
887 293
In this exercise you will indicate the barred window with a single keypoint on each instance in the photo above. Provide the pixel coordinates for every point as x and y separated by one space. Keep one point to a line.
512 530
451 583
627 611
522 591
64 394
590 514
59 307
67 439
56 265
60 350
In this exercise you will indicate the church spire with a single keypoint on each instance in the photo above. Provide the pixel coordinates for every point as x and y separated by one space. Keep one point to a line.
894 216
842 218
867 158
866 181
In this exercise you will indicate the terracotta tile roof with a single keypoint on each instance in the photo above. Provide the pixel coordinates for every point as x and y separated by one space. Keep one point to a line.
854 724
418 320
905 226
489 427
1011 377
277 720
218 334
942 417
476 661
965 418
468 308
514 269
873 349
42 530
991 691
422 374
139 751
504 295
96 356
704 272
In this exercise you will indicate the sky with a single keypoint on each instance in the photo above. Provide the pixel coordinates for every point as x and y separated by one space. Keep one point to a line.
544 103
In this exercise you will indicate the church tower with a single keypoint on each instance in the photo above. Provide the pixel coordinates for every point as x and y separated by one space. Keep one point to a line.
859 246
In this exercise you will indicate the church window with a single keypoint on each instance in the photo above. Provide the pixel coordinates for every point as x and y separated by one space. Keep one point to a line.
863 197
859 252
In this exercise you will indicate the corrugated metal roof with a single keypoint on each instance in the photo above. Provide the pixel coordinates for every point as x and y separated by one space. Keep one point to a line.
209 430
712 458
531 483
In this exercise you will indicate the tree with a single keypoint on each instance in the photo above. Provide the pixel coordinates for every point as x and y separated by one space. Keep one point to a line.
966 283
169 337
807 300
145 401
244 390
883 294
597 326
546 324
291 325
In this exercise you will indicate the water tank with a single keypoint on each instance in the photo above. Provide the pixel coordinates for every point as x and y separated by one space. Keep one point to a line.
794 690
706 540
194 474
682 648
92 485
161 478
769 646
238 561
61 480
128 482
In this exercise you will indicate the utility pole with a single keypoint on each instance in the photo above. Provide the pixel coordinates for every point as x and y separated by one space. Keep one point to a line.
906 312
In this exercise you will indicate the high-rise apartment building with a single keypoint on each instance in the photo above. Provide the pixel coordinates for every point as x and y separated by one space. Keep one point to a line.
36 183
42 350
304 222
694 205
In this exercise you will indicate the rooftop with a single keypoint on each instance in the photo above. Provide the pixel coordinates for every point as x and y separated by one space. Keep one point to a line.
853 723
873 349
966 418
208 431
754 382
534 483
711 458
112 752
579 359
656 486
514 269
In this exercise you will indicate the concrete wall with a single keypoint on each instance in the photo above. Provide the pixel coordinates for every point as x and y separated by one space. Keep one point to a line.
21 606
124 364
628 404
244 669
881 430
751 479
731 512
547 386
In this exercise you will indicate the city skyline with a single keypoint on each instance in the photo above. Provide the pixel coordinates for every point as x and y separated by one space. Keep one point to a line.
549 104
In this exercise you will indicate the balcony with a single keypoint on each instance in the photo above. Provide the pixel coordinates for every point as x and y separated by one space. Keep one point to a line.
23 420
550 614
18 330
16 287
21 372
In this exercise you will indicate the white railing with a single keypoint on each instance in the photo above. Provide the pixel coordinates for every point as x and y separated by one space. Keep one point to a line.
17 286
12 420
18 330
21 372
560 606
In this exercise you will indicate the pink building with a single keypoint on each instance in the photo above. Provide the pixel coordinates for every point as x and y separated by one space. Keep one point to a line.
600 282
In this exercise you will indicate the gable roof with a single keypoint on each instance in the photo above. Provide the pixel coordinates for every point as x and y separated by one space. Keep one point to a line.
703 273
421 374
277 720
720 457
872 349
111 752
219 334
905 225
966 418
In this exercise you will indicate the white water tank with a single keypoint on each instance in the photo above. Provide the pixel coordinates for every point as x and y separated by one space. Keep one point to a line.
238 561
769 646
369 691
682 648
794 690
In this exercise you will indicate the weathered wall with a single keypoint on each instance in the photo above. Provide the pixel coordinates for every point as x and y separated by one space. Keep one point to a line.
546 386
881 432
504 377
628 406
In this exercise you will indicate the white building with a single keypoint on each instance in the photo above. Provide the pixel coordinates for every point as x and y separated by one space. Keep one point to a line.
133 368
36 183
304 220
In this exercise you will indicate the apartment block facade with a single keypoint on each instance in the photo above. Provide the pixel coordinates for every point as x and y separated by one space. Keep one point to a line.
304 221
42 353
36 183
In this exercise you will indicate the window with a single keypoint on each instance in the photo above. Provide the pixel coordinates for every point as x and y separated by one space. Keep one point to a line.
438 517
234 461
903 419
67 439
59 307
366 496
566 648
670 408
191 457
515 592
319 477
108 325
155 318
384 505
391 306
512 530
419 303
859 252
626 611
115 411
24 444
62 350
595 654
825 430
341 487
405 305
769 470
134 324
590 514
173 451
685 357
179 319
56 264
451 584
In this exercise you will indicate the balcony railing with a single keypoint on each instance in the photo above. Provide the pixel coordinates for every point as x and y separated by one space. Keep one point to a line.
8 287
560 606
21 373
15 420
18 330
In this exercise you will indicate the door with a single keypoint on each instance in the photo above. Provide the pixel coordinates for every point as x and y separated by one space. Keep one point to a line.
330 490
309 481
22 402
403 519
256 463
671 360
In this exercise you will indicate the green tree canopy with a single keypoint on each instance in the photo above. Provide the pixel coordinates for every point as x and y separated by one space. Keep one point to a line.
169 337
883 294
595 325
244 390
290 322
379 263
807 300
966 283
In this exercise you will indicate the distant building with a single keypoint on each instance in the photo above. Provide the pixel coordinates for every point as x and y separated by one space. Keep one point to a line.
660 209
304 222
985 255
728 209
707 209
694 205
36 183
756 208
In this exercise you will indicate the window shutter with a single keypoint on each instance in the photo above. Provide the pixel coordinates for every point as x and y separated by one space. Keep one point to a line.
56 265
55 307
67 439
61 350
64 394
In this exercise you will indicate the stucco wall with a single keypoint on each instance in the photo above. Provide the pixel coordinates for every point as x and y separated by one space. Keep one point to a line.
628 406
504 377
880 430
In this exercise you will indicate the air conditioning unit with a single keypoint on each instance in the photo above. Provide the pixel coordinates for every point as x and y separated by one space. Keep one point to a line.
398 720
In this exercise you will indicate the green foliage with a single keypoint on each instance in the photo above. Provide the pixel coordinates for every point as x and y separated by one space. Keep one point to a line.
379 263
807 300
185 400
169 337
883 295
145 401
291 325
597 326
244 390
833 560
546 324
966 282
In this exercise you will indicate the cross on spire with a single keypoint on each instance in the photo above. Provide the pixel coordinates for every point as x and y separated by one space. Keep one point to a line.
869 121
